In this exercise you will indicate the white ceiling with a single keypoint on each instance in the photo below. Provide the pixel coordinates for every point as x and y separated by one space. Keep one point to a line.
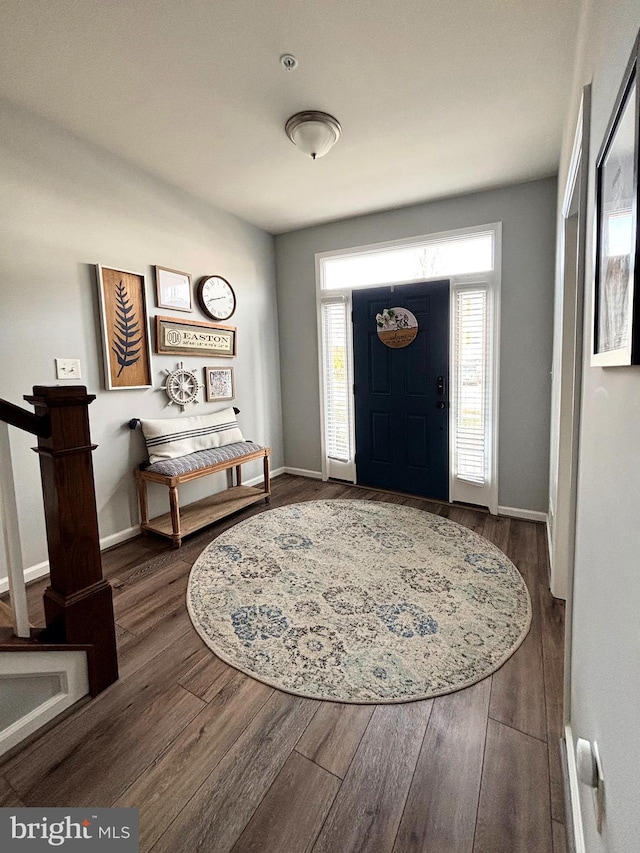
435 97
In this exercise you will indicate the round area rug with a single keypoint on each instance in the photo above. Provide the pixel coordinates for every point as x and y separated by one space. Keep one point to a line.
358 601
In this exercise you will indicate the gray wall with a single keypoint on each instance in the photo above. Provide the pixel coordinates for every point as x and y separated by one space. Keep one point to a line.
605 654
65 206
527 212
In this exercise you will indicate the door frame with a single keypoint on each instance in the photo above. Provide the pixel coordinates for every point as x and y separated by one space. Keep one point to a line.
568 362
570 369
565 434
492 280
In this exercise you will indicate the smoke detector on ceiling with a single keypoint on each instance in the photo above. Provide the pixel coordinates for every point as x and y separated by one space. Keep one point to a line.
288 61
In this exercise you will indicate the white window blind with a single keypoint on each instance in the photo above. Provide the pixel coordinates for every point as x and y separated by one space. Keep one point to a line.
471 386
336 380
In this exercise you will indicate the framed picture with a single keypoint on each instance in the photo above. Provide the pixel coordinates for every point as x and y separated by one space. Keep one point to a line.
125 336
218 383
194 337
173 289
616 303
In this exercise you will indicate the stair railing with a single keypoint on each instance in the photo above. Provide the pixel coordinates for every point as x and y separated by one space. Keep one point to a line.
78 603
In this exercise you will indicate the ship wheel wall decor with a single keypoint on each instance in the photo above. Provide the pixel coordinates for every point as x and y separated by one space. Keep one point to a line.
181 386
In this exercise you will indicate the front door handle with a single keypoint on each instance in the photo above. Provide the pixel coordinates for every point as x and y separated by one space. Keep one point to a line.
441 404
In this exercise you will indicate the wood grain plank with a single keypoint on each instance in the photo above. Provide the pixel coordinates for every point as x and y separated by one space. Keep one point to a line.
440 814
367 810
523 542
122 636
543 553
153 563
139 608
497 529
128 554
522 549
518 691
168 785
513 814
35 602
444 510
334 734
293 810
552 612
559 837
138 650
556 780
123 747
130 695
8 797
472 518
215 816
207 677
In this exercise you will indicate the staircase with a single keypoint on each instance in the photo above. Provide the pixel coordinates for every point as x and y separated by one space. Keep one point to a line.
45 671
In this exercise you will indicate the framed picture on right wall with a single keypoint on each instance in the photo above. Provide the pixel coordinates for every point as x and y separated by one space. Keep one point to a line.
218 384
616 303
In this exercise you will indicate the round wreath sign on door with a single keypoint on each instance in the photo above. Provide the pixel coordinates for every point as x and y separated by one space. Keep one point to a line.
397 327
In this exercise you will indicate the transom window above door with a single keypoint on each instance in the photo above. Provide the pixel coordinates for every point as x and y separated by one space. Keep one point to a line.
425 258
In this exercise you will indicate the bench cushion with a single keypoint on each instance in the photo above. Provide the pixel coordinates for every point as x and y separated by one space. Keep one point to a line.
168 438
203 458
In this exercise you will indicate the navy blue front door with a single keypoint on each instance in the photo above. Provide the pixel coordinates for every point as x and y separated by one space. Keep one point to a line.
401 395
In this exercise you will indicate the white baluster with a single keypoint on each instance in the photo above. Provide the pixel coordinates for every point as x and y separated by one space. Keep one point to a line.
11 537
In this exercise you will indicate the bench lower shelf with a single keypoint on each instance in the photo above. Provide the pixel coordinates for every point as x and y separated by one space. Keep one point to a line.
206 511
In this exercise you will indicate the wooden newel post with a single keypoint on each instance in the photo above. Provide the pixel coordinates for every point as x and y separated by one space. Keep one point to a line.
79 603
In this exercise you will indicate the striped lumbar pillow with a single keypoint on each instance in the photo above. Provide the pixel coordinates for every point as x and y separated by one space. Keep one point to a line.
168 438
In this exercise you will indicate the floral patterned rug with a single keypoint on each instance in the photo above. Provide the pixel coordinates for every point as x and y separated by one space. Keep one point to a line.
358 601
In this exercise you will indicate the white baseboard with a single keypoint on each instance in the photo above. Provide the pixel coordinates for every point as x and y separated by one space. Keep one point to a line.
40 570
574 793
33 573
117 538
525 514
260 479
301 472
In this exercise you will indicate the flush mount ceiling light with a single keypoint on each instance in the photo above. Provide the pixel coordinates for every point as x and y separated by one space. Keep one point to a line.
313 132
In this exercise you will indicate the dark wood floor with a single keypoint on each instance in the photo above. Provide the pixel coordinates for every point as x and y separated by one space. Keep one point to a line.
218 762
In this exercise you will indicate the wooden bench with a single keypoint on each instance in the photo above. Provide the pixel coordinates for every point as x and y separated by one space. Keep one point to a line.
180 522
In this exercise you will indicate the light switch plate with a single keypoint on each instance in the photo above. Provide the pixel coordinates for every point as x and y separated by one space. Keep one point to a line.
68 368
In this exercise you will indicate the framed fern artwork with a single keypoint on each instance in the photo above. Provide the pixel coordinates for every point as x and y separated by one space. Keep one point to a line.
125 335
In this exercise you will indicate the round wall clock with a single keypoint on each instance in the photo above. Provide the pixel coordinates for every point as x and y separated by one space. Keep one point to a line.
181 386
216 297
